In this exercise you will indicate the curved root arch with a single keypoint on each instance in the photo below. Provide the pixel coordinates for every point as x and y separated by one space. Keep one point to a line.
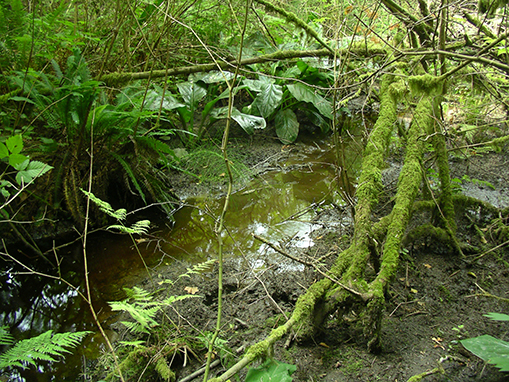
326 296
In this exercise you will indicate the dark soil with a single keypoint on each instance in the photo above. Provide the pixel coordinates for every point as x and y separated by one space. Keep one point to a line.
435 300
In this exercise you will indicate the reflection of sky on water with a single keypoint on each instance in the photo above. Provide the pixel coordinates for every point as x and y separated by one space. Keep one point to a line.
277 206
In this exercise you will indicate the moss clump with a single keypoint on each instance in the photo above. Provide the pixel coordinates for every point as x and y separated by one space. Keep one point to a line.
426 84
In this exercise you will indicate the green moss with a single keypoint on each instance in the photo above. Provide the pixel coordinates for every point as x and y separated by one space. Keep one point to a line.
426 84
408 186
164 370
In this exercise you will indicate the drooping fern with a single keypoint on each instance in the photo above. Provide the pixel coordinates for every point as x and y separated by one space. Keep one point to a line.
129 171
105 207
45 347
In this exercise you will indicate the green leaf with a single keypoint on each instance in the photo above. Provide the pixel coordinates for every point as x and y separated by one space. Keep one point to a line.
22 99
287 126
4 152
248 122
305 93
497 316
269 99
139 228
191 93
18 161
317 120
15 144
169 103
271 371
489 349
32 171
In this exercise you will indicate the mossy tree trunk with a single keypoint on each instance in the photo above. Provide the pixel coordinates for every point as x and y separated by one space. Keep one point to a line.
375 244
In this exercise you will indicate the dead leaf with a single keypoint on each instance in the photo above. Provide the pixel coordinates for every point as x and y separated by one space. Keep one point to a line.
191 290
427 266
324 345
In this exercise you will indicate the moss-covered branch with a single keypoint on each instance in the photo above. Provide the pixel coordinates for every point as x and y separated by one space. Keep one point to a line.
360 49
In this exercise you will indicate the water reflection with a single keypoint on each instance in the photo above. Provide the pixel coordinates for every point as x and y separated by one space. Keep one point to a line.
278 205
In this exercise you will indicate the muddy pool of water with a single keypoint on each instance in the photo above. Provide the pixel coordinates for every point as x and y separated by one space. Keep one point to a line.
279 205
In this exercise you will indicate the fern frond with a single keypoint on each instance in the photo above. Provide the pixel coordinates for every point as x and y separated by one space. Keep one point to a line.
129 171
5 336
200 268
138 294
139 228
105 207
45 347
143 315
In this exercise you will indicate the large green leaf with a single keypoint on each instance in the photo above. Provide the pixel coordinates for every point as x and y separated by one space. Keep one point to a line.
268 99
248 122
317 120
287 126
191 93
489 349
305 93
498 316
271 371
153 101
212 77
18 161
257 85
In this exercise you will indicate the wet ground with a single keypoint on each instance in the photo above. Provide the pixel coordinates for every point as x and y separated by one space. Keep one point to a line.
436 299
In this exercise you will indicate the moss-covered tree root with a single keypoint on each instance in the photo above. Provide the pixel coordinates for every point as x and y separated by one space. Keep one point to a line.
377 243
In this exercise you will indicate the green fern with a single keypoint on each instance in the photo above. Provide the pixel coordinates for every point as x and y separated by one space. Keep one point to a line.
139 228
5 337
129 171
45 347
194 270
105 207
143 309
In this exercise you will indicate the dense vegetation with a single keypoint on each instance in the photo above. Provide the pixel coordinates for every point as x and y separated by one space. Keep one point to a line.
114 99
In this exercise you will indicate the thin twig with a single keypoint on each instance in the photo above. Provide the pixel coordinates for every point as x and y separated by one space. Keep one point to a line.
310 264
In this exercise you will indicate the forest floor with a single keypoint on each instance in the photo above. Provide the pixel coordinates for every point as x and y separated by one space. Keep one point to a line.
435 300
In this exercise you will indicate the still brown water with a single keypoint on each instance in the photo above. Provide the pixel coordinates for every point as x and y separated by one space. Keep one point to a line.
279 205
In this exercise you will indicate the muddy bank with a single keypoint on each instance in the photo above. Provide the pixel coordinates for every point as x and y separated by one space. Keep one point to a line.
435 300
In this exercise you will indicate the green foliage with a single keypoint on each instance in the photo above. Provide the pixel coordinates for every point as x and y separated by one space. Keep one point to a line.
105 207
488 348
143 308
271 370
207 164
5 336
279 100
27 170
200 88
220 345
45 347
